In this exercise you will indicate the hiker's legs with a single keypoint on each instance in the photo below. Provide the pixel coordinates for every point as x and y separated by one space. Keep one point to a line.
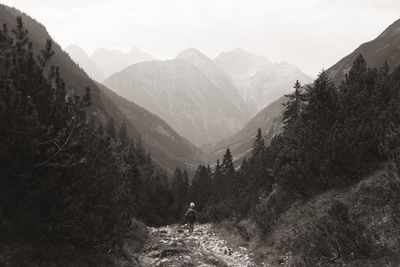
191 227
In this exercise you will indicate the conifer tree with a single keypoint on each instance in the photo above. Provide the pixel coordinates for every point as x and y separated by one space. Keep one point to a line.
227 166
200 189
294 106
258 144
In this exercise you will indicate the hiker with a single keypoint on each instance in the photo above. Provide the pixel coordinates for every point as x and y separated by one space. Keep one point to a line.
190 217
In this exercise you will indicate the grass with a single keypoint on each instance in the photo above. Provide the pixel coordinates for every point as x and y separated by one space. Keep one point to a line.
356 226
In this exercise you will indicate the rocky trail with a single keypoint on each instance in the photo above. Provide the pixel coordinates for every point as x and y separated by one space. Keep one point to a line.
174 246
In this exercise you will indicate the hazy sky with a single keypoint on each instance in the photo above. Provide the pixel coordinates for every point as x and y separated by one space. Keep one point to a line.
313 34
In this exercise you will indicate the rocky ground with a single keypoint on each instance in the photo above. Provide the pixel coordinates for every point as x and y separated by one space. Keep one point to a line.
174 246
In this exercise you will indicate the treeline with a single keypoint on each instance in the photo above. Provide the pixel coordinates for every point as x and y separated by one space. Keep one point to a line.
221 192
64 175
332 136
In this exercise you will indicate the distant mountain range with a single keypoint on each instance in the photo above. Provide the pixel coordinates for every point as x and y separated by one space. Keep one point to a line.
79 56
259 81
194 98
103 62
201 98
385 48
167 147
184 96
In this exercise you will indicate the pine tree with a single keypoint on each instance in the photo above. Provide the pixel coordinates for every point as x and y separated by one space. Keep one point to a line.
200 189
227 166
258 144
294 106
179 188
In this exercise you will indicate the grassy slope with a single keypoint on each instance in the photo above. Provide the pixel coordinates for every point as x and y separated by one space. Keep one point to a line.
355 226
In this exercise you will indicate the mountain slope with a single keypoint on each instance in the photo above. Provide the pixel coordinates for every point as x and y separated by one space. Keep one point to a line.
259 81
112 61
76 79
218 78
385 48
103 107
240 144
160 139
183 96
83 60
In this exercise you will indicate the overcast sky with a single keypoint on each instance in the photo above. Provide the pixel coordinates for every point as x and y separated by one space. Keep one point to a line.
313 34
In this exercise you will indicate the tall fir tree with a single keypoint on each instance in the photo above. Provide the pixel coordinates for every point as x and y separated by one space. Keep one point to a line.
294 106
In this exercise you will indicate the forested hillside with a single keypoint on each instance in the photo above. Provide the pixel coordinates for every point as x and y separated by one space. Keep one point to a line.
161 140
103 108
66 178
89 178
383 49
333 137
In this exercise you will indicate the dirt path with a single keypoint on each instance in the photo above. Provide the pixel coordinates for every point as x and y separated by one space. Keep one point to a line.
174 246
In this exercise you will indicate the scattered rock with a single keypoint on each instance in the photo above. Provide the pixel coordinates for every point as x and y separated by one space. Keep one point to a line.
163 262
154 254
173 246
172 251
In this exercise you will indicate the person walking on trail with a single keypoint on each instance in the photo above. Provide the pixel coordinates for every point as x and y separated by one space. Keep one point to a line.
190 217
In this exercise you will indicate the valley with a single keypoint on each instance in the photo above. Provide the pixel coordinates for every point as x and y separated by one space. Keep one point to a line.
108 156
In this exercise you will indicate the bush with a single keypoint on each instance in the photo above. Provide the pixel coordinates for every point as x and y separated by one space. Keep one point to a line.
269 209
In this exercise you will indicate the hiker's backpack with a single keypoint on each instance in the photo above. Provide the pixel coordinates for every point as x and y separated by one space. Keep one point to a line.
191 216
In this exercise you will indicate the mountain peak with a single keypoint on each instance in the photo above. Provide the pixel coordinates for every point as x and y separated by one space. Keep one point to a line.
240 56
76 50
191 53
239 51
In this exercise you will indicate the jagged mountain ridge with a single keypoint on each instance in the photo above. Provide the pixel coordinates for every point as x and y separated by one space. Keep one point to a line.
259 81
218 78
103 107
385 48
104 62
82 59
112 61
183 96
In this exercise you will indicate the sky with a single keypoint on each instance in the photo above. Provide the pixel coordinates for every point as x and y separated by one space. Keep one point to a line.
312 34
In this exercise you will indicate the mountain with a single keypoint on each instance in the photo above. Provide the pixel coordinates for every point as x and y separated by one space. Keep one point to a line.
384 48
259 81
76 79
240 144
218 78
112 61
105 106
83 60
159 137
183 96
